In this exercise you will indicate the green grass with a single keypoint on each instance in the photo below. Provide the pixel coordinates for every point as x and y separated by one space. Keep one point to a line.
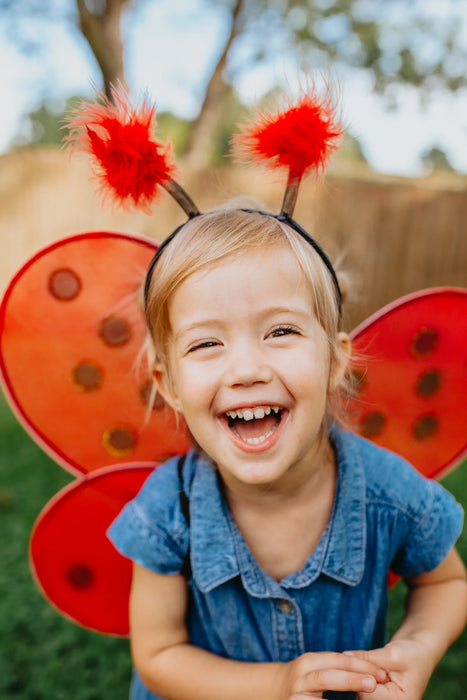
447 680
42 655
45 657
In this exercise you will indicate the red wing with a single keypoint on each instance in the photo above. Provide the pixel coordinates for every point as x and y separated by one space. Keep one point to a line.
413 383
72 362
53 322
74 564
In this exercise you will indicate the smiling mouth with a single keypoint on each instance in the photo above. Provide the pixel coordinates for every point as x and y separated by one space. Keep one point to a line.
254 425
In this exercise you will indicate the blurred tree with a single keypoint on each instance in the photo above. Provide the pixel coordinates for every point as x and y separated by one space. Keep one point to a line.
211 117
395 41
43 125
98 21
398 41
436 159
351 150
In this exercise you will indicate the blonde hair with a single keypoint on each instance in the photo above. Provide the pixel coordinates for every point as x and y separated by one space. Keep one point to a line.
212 236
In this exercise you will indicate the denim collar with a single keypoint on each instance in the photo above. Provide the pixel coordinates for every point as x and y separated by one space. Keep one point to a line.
219 552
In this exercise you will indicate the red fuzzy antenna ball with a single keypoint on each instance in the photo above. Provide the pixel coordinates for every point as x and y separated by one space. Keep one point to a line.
299 138
129 163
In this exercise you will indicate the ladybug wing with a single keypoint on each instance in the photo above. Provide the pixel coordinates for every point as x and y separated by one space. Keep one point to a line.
72 332
75 566
413 378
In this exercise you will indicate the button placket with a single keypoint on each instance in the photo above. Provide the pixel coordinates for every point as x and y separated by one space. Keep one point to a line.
288 632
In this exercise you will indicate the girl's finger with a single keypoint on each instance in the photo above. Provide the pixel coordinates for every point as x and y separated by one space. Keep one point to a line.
385 657
323 679
348 662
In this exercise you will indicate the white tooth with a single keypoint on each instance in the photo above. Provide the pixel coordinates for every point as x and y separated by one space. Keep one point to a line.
267 410
238 414
258 440
248 415
259 413
276 409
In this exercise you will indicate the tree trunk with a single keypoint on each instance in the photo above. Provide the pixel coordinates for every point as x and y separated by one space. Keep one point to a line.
203 130
102 32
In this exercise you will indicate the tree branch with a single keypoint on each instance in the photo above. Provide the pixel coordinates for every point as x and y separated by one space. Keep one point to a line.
103 33
204 127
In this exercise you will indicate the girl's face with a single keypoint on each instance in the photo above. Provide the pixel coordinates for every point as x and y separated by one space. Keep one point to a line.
249 367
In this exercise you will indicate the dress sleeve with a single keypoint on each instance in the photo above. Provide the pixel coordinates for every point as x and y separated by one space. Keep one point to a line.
431 532
151 529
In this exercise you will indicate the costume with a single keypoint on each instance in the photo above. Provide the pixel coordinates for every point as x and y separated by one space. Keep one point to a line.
87 340
94 422
385 516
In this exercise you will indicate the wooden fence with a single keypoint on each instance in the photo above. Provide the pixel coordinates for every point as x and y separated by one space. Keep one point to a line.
394 235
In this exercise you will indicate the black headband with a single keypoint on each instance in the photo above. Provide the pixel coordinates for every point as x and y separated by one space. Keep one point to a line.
284 218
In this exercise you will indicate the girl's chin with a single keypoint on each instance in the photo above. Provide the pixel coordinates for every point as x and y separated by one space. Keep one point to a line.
252 475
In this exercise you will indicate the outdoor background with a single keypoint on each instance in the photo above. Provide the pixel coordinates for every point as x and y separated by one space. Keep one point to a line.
393 207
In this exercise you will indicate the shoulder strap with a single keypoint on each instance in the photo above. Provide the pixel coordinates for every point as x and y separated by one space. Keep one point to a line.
185 506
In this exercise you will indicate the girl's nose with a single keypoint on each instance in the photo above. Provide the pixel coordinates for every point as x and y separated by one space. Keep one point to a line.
247 365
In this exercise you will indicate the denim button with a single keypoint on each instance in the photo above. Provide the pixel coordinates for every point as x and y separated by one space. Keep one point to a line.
285 606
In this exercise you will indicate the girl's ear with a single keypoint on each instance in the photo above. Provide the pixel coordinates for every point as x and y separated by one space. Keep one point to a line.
165 386
341 361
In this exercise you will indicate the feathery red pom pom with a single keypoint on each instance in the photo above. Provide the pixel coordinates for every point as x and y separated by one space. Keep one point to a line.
300 137
129 163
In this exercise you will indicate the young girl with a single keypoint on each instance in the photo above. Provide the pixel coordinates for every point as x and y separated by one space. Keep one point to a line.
261 558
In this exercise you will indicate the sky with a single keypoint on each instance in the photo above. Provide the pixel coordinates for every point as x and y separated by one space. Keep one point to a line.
170 50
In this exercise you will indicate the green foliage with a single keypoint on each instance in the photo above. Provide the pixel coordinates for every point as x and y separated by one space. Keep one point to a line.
436 159
45 657
351 150
170 127
44 124
234 114
395 40
176 129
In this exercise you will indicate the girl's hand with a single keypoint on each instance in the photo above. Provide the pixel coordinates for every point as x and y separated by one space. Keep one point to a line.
409 669
310 675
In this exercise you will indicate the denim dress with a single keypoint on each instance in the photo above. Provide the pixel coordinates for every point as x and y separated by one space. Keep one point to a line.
385 516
